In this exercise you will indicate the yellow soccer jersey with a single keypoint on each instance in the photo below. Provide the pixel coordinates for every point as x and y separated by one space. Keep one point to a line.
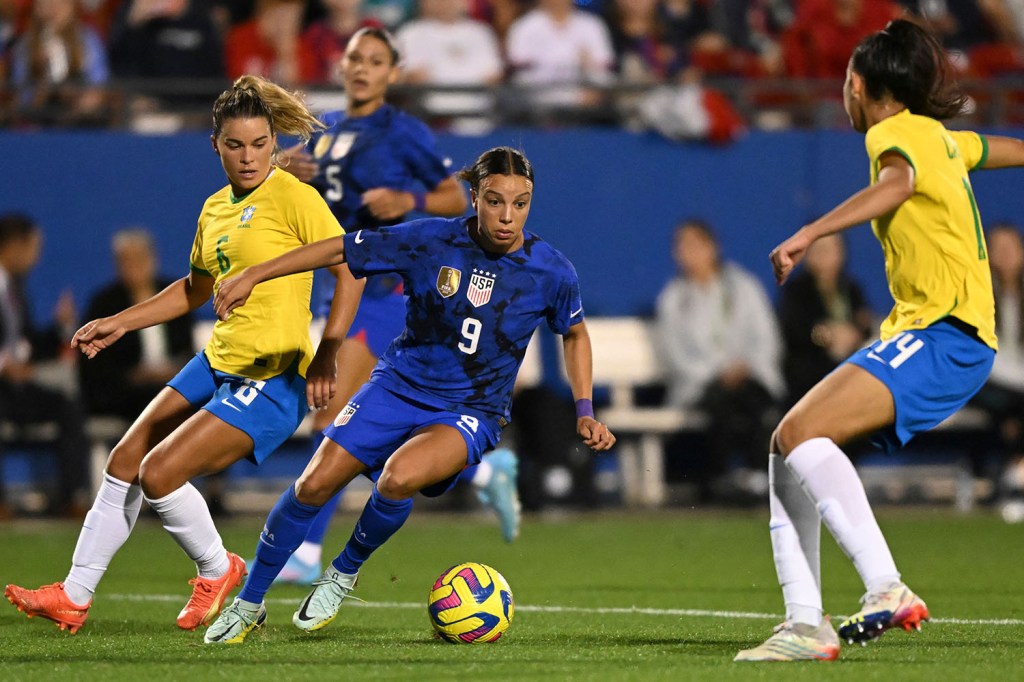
263 337
936 260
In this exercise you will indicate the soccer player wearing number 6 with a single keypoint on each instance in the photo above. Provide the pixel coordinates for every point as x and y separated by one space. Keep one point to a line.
936 349
245 393
478 287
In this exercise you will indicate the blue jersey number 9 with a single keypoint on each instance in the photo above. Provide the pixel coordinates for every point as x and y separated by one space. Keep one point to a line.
471 331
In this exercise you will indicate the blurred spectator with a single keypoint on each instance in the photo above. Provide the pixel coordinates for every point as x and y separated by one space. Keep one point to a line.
390 13
445 47
642 54
1002 397
124 378
819 42
165 39
59 65
721 343
753 29
983 38
23 400
824 316
269 44
326 38
558 45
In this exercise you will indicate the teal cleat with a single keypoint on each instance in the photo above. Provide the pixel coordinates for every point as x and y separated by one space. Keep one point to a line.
501 493
321 605
235 623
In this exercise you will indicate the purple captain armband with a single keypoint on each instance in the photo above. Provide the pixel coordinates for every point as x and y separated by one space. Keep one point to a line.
419 200
584 408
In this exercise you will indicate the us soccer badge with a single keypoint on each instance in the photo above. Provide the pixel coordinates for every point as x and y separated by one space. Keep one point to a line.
481 284
346 414
341 145
448 280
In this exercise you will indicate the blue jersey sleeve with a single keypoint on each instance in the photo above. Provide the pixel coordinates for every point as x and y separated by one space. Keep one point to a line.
421 155
380 251
567 307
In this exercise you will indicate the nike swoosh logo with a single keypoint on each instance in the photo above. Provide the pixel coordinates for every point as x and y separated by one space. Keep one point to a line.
233 407
302 611
577 312
359 237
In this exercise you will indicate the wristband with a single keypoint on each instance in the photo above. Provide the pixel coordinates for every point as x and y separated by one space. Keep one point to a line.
419 200
584 408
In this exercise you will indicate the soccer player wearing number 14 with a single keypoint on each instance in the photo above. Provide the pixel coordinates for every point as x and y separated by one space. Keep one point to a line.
478 287
936 347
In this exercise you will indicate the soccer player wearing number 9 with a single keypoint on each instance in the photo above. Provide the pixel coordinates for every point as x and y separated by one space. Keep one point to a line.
478 287
936 349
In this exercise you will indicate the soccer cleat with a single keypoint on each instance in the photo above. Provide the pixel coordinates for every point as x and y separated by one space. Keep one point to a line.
208 595
796 642
501 493
235 623
321 605
294 572
50 602
894 606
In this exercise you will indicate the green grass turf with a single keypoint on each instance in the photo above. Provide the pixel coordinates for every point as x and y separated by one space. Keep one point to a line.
563 572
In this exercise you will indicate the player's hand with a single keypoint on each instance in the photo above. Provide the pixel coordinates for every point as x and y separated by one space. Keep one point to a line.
297 161
96 335
388 204
595 435
788 254
322 377
231 293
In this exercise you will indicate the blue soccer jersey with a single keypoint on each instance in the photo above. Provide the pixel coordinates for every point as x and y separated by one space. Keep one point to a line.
469 315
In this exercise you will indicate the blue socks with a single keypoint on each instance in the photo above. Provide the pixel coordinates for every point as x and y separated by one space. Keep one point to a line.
319 528
286 528
381 518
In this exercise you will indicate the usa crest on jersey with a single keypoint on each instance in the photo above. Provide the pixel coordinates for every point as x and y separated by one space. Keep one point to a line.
341 145
448 280
345 414
481 284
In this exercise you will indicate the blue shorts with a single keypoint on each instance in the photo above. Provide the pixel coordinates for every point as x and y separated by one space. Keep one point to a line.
931 374
376 422
268 411
378 321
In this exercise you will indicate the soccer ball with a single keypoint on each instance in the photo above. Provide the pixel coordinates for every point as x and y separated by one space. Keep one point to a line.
470 604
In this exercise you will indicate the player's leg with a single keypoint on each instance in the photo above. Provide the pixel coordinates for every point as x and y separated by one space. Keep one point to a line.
495 480
110 520
355 362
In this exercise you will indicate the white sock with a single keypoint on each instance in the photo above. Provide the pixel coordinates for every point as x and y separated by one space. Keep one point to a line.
796 541
309 552
482 474
106 528
187 518
828 477
247 606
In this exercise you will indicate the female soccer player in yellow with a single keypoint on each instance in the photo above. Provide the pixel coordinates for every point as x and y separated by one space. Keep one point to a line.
245 393
936 347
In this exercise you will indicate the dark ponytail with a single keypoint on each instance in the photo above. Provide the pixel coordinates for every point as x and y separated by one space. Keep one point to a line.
907 62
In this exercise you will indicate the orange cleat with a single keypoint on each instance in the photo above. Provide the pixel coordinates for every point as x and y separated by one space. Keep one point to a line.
208 595
50 602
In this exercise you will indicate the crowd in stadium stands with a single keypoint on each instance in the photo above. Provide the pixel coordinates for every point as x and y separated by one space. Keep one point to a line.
59 57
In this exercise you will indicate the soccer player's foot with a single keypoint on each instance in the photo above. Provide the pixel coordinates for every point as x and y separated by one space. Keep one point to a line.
208 595
295 571
321 605
796 642
235 623
891 607
501 493
50 602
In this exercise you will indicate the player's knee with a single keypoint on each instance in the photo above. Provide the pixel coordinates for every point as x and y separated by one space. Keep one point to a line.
314 491
124 461
396 485
791 432
155 479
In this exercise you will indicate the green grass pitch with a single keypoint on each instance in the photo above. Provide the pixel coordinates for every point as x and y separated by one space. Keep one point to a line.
607 596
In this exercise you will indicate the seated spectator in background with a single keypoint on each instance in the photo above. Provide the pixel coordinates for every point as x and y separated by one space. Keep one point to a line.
445 47
824 316
24 401
327 37
823 34
556 50
721 343
123 379
1002 397
643 55
983 38
390 13
753 31
269 45
166 39
58 66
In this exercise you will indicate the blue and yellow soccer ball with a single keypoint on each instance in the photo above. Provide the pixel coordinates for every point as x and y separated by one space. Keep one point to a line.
470 604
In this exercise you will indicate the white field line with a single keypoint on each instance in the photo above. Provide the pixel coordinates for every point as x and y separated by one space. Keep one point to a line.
645 611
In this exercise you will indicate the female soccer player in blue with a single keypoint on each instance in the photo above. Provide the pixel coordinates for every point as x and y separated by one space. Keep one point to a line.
937 344
245 393
478 287
374 164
